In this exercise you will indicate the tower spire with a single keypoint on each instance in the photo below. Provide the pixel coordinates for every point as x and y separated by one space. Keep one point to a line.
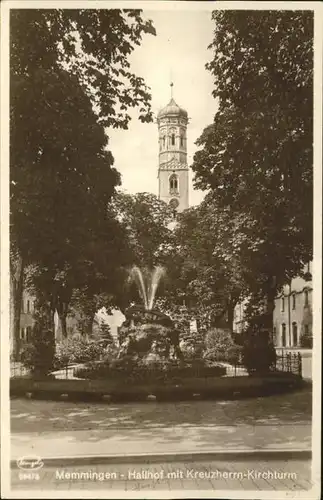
171 90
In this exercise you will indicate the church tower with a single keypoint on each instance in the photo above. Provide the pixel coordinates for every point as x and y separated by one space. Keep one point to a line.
173 170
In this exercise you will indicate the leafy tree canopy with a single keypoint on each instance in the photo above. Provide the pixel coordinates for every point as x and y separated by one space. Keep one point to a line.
146 220
94 45
257 155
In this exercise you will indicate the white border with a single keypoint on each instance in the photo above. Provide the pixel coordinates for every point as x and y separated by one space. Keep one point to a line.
317 7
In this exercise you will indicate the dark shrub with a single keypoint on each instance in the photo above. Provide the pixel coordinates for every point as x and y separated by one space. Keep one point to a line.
39 355
258 352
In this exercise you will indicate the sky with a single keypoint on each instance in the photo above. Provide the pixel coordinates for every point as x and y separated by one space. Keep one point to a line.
178 53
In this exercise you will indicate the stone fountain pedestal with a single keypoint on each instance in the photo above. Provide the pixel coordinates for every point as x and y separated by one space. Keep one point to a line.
148 335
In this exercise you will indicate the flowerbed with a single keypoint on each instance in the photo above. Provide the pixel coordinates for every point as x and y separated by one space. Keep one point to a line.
134 374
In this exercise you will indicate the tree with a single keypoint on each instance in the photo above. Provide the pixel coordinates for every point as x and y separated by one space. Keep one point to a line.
91 44
72 80
205 267
145 220
60 186
257 155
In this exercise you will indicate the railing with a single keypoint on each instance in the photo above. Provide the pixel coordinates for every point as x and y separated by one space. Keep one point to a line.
17 369
285 362
289 362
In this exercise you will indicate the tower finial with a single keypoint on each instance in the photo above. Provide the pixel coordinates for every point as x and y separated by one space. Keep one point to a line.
171 90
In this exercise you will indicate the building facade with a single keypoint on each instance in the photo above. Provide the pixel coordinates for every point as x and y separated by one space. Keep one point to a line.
293 312
292 316
26 317
173 172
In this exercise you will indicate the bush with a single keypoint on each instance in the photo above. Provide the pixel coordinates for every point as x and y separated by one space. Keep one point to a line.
258 353
306 341
192 345
220 347
130 371
38 356
77 350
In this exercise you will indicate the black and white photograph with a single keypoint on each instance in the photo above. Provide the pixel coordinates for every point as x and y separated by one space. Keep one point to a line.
161 171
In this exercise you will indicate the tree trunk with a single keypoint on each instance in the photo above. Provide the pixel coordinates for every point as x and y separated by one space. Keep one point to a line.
270 305
230 315
87 325
62 311
16 286
63 324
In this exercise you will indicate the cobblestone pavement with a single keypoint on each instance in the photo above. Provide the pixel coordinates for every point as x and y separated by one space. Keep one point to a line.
48 416
277 475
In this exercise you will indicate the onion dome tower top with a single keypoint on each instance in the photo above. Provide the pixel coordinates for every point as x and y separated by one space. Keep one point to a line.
172 109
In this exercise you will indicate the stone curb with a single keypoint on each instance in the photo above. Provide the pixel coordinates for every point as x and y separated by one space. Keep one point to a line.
147 458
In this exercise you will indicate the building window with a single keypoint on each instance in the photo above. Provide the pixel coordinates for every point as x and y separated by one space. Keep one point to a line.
306 297
22 333
22 306
294 330
28 306
283 335
182 141
173 184
306 329
173 139
283 304
294 301
28 334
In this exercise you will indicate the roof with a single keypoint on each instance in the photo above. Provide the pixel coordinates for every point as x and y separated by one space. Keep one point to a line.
172 109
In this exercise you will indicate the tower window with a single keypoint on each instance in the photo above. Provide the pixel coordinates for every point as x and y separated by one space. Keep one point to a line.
182 141
283 304
28 306
294 301
306 297
173 184
164 142
173 139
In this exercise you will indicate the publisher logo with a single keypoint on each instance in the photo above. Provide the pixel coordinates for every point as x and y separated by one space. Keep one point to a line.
30 463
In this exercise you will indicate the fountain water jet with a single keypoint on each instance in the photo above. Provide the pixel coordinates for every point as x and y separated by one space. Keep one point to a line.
148 295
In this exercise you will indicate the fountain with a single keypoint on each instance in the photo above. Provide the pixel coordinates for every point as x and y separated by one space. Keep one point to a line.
147 330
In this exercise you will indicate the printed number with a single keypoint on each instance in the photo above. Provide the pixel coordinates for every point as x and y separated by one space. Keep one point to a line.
29 476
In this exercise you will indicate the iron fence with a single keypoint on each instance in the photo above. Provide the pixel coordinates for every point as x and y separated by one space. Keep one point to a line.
285 362
289 362
17 369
